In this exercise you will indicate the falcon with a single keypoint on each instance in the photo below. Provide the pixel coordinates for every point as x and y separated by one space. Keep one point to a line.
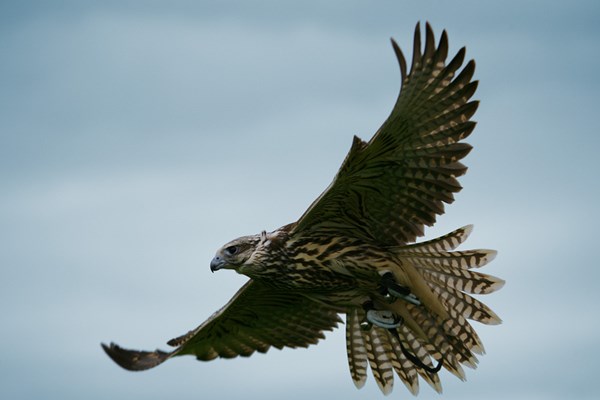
407 305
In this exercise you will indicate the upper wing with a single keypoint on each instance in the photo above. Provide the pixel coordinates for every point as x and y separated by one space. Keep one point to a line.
389 188
256 318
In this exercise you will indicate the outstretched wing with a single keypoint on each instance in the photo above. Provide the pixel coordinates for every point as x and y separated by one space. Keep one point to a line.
255 319
389 188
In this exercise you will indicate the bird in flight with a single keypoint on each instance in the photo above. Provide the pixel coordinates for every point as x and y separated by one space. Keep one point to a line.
407 305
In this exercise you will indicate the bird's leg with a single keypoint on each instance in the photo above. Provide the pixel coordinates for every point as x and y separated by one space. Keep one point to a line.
391 290
385 319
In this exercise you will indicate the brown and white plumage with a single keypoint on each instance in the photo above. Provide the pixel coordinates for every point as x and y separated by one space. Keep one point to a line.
333 258
255 319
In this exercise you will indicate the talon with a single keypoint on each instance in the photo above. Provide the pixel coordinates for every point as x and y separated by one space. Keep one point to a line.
365 325
388 297
391 288
384 319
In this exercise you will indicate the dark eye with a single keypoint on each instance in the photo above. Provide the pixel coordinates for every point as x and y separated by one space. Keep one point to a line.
231 250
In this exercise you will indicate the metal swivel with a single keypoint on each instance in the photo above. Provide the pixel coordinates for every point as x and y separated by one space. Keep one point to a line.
391 289
385 319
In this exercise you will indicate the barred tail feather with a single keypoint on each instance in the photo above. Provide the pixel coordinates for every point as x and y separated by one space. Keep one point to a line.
447 242
418 349
437 343
451 259
466 281
378 351
404 368
465 305
356 349
450 277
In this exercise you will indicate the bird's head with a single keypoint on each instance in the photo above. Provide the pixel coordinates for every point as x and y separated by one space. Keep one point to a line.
235 253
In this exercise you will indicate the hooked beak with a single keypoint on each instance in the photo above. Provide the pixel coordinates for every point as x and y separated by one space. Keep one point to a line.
217 263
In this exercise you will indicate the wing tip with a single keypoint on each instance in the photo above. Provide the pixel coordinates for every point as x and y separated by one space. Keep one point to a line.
401 59
418 29
134 360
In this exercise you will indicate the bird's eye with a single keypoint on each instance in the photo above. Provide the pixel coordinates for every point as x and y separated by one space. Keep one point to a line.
231 250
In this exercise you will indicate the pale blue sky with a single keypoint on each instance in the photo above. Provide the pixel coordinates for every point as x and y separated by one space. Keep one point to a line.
136 137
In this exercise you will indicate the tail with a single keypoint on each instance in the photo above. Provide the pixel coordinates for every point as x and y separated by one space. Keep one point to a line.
430 336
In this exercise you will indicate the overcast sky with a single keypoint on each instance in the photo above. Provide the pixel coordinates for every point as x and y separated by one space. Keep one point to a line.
137 137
